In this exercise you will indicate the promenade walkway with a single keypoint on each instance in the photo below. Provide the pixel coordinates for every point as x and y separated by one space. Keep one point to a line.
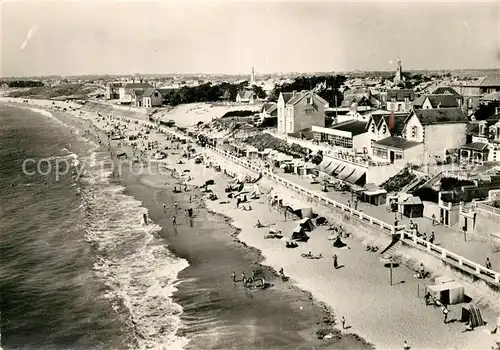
474 249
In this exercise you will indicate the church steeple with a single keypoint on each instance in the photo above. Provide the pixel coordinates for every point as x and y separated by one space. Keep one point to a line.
252 76
399 72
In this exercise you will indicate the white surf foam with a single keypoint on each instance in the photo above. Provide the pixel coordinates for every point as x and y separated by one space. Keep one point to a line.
139 270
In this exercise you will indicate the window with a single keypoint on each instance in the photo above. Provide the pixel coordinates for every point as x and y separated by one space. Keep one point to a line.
384 129
373 128
414 132
399 107
393 99
398 156
156 94
309 100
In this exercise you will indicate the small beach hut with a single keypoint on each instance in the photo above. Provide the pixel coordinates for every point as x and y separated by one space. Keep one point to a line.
448 293
410 206
299 234
374 195
306 224
472 313
252 152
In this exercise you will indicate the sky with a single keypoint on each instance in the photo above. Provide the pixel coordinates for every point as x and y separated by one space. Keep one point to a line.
127 37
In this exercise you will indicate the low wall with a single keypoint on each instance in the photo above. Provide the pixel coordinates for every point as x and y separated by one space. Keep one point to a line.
455 260
346 214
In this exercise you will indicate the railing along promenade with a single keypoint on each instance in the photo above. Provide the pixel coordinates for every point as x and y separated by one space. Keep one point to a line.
408 237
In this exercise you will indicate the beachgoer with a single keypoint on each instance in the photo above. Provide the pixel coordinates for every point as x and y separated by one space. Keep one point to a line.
406 346
433 219
238 201
233 276
424 237
174 220
175 206
422 270
145 217
164 206
253 274
243 277
190 198
281 272
349 203
335 262
445 314
428 298
356 204
432 237
185 187
488 263
342 320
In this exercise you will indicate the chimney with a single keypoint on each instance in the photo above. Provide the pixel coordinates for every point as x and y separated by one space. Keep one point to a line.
294 93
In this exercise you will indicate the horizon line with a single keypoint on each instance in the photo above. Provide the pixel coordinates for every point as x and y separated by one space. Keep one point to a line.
248 73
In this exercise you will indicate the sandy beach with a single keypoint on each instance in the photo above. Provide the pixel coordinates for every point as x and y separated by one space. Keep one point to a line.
216 310
284 314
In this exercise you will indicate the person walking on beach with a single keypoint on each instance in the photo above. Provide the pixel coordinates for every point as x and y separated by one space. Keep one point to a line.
433 219
174 220
342 320
164 206
445 314
406 346
422 270
175 206
190 198
335 262
233 276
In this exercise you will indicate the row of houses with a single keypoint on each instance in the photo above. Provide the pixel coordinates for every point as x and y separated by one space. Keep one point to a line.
139 94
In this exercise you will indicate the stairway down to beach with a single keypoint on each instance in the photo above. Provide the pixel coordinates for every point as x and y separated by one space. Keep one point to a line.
392 248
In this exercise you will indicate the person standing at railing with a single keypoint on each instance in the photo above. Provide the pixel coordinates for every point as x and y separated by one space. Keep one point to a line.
488 263
431 238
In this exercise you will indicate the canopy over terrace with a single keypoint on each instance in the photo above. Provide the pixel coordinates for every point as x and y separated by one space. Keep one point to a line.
343 171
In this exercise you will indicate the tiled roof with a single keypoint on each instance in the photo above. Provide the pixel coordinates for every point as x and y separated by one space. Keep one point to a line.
399 123
490 80
445 90
246 94
396 142
419 101
440 116
149 92
355 127
299 96
137 86
270 107
400 94
476 146
443 101
287 96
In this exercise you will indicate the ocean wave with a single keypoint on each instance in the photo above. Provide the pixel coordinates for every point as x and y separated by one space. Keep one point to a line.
139 270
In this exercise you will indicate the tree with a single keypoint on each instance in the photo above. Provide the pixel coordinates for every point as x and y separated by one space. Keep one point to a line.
259 91
486 110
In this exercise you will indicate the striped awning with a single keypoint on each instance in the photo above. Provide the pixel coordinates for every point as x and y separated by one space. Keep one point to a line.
324 164
356 176
346 172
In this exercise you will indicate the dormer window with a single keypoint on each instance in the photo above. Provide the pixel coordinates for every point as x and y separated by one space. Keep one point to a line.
414 132
384 129
309 100
373 128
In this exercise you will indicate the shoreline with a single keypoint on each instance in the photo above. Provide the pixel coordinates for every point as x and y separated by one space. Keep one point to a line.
312 277
316 314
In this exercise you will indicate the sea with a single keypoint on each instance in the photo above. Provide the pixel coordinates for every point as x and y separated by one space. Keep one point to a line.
79 269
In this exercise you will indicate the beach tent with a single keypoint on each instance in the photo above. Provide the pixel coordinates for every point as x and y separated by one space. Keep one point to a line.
471 312
448 293
306 224
299 234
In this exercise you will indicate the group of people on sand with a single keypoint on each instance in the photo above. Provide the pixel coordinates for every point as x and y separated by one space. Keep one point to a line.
250 281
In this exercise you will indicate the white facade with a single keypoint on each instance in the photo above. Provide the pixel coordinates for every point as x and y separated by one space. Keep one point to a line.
281 114
437 138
